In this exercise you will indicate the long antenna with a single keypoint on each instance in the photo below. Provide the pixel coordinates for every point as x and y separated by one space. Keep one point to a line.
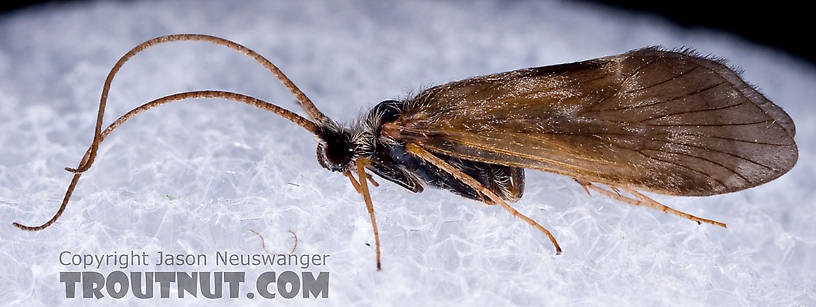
304 101
230 96
99 135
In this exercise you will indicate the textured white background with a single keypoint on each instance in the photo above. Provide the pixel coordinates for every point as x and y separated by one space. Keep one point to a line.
196 177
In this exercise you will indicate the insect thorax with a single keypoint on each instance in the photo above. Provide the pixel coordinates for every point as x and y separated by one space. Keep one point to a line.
366 134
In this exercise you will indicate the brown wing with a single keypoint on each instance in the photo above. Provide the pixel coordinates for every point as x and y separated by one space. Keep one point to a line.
660 121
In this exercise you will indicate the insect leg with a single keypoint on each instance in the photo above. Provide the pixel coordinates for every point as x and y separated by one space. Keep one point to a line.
263 243
516 186
361 164
371 179
354 182
423 154
296 241
584 184
357 184
668 209
648 202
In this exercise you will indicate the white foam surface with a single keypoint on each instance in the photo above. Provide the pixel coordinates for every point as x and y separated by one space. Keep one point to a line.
195 177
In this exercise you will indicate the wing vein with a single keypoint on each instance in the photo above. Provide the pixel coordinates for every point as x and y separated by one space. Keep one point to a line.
662 82
622 81
735 140
707 160
600 135
629 108
709 125
684 166
690 112
715 150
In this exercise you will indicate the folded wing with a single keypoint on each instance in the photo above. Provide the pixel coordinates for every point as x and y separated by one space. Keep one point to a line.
660 121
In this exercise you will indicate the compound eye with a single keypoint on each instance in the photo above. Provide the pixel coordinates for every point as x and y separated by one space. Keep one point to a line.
335 154
338 153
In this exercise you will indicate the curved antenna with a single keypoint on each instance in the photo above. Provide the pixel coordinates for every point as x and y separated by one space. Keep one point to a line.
230 96
304 101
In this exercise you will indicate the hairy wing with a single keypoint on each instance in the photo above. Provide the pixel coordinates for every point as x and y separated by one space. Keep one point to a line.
660 121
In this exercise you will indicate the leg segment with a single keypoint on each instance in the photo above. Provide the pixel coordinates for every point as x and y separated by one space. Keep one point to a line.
263 243
361 164
645 201
423 154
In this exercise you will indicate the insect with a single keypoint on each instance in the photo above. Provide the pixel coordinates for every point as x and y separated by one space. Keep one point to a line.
668 122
